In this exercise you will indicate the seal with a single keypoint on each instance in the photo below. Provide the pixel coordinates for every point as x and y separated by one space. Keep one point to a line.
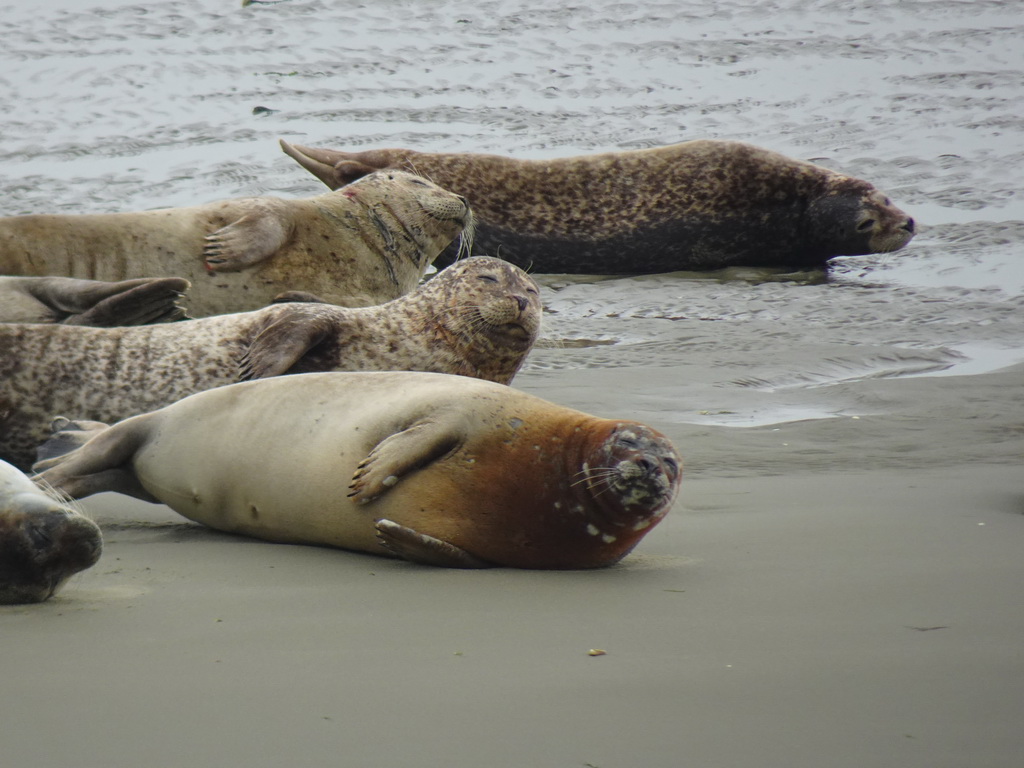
91 302
697 205
364 245
478 318
43 540
443 470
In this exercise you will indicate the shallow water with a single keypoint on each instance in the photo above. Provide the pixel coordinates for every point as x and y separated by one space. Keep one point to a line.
121 106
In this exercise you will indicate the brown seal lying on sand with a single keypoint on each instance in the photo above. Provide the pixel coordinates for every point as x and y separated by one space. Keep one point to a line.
698 205
443 470
43 540
478 317
364 245
91 302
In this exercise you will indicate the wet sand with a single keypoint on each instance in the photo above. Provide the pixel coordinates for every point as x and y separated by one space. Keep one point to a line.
839 582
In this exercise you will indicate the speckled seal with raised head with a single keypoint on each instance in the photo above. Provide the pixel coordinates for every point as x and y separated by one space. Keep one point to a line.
697 205
442 470
366 244
43 540
91 302
479 317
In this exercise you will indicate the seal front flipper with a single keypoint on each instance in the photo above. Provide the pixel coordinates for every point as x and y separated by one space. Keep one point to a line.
401 453
283 342
255 237
420 548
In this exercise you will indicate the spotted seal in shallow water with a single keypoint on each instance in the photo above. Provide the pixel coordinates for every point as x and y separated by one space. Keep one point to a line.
91 302
479 317
443 470
698 205
43 540
366 244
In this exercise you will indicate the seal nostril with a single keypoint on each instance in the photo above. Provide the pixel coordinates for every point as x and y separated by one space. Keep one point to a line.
909 226
522 302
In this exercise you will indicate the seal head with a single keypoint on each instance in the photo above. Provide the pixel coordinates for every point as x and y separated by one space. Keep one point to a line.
852 218
633 480
43 541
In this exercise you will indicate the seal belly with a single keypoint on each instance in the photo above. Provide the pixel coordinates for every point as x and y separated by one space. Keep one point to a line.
695 244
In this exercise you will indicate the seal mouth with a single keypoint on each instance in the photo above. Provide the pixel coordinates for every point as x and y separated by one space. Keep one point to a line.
513 331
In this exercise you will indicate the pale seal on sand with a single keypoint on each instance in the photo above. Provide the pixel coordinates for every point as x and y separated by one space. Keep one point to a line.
697 205
366 244
91 302
43 540
478 318
444 470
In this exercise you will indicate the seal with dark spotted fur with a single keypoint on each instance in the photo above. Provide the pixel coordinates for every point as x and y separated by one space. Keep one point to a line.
43 540
478 318
91 302
366 244
443 470
698 205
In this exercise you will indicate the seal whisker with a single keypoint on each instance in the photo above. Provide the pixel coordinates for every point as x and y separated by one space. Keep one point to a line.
596 475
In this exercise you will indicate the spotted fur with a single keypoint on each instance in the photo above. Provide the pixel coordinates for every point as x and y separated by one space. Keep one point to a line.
361 246
477 318
697 205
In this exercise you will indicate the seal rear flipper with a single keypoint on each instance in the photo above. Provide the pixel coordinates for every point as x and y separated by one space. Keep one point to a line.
283 342
399 454
66 436
254 238
83 458
417 547
138 302
333 168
